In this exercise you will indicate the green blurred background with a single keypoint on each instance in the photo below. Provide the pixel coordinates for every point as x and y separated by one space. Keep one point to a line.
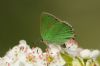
20 19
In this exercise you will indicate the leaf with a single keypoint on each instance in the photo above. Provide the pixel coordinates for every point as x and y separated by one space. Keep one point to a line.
54 30
98 59
68 59
80 60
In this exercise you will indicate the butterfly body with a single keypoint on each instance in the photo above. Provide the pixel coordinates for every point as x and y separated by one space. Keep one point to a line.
71 44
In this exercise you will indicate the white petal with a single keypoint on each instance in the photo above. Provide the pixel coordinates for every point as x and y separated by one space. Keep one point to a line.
85 53
95 54
22 42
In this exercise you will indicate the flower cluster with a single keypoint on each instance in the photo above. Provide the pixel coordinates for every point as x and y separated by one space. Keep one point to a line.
23 55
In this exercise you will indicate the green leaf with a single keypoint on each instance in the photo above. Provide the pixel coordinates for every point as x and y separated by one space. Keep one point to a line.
81 61
68 59
53 30
98 59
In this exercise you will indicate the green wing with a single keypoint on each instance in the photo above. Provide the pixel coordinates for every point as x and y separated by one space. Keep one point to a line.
54 30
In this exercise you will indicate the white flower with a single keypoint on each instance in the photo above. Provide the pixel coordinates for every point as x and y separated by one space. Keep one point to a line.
3 62
23 46
37 51
11 56
94 54
22 42
54 50
85 53
89 54
75 52
23 55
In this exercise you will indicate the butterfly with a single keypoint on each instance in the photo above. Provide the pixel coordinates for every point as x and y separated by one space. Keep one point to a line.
55 31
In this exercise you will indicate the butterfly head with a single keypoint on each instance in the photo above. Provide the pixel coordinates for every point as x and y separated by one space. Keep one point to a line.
71 44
